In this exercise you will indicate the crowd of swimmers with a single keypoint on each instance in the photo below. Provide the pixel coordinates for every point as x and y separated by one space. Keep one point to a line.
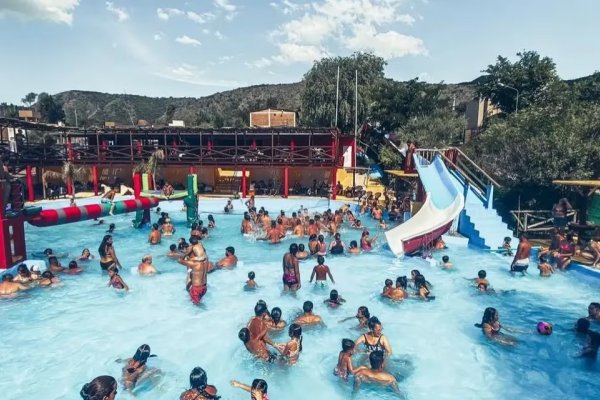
323 234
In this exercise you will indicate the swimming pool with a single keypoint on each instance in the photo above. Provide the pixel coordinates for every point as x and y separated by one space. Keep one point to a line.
55 340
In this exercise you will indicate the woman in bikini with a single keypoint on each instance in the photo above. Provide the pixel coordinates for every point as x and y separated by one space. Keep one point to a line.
490 326
108 257
291 270
366 243
374 340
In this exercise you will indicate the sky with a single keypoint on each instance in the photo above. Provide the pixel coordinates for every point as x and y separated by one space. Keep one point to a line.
195 48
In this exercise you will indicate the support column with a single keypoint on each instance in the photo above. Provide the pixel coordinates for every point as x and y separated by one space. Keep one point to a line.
137 185
243 182
69 187
18 237
95 179
192 171
286 185
30 192
5 250
334 183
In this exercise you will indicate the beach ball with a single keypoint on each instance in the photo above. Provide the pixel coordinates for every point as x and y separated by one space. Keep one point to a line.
544 328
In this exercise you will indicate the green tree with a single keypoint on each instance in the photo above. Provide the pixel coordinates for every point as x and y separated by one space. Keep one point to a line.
588 88
29 99
319 94
394 103
49 110
170 112
530 75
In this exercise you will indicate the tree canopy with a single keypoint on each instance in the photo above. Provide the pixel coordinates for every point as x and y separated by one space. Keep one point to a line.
319 94
50 111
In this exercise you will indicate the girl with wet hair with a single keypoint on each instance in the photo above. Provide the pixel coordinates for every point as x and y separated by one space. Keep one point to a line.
291 350
258 390
101 388
276 324
199 387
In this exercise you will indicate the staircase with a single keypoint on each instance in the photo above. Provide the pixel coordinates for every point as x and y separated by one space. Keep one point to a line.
478 221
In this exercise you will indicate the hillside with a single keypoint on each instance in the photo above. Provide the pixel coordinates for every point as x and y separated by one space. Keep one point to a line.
230 108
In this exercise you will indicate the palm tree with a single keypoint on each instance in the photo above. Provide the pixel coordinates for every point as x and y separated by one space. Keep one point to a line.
150 166
69 174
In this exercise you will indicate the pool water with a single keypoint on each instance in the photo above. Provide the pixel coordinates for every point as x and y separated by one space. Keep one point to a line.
56 339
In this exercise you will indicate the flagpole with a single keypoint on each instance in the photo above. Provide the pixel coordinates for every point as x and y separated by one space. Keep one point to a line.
355 126
337 96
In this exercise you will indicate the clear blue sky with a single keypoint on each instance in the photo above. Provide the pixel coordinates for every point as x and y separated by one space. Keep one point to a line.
198 47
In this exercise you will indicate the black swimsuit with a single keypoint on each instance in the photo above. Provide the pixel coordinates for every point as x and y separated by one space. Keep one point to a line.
374 347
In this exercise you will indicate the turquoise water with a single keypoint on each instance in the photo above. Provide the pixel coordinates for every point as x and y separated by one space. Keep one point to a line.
55 340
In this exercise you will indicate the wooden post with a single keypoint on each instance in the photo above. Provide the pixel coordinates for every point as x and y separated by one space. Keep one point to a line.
243 182
95 179
30 192
285 181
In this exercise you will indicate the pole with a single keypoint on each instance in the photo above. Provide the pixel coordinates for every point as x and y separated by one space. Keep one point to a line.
355 126
243 182
337 96
285 181
517 105
30 192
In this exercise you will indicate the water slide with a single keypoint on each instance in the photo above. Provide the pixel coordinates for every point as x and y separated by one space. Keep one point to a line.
442 205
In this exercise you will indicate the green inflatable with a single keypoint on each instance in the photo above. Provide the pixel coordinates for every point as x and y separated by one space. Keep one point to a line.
190 201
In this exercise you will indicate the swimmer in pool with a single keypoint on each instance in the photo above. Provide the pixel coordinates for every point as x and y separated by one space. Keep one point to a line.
521 261
54 265
401 290
392 292
354 248
321 271
375 374
73 268
334 300
594 312
344 365
313 244
9 288
308 318
276 324
251 283
291 350
590 350
337 246
167 229
246 227
299 230
48 279
291 270
362 315
421 288
258 326
545 267
255 346
146 267
111 228
446 264
274 235
229 261
108 256
197 263
135 369
375 340
23 275
321 246
86 255
173 253
102 387
302 254
199 387
481 279
490 326
154 237
258 390
115 279
366 243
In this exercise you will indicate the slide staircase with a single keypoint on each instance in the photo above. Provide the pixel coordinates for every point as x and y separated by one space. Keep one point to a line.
478 220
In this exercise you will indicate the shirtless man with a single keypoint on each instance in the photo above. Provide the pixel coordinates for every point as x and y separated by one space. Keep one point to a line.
246 227
266 221
229 261
173 252
154 237
250 202
312 228
146 267
291 270
313 244
308 318
258 325
273 234
197 262
521 261
10 288
299 230
321 271
375 374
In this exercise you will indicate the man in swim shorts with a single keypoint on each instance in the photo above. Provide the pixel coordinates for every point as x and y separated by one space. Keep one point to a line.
521 261
197 262
229 261
154 237
109 197
291 270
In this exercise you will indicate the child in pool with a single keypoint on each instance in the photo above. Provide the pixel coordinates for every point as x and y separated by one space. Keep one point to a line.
506 246
545 267
334 300
115 279
446 264
250 283
344 366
